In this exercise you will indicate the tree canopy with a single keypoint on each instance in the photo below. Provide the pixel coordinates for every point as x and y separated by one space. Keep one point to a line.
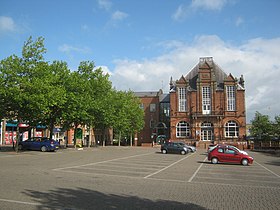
264 129
35 91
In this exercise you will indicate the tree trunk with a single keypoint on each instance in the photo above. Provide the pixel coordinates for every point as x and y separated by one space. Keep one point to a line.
51 129
18 138
89 136
75 133
120 138
104 143
3 131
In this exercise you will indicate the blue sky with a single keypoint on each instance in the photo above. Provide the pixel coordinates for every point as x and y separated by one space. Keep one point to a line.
143 43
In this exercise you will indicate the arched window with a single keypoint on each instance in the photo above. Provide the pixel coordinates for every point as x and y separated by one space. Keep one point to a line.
231 129
182 129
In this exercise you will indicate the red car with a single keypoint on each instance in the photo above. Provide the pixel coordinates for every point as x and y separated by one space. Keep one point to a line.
229 155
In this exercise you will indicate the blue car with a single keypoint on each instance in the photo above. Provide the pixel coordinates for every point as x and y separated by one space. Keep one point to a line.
39 143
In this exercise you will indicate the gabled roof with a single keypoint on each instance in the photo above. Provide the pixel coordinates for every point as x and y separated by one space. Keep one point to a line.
230 78
182 80
207 62
148 93
164 98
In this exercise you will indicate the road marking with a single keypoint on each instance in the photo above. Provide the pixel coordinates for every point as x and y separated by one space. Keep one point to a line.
168 166
20 202
190 180
233 179
112 170
105 161
267 169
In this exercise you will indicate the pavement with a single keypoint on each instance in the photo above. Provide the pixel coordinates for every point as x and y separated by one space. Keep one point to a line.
135 178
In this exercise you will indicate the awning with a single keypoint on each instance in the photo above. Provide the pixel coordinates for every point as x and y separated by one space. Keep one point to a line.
9 124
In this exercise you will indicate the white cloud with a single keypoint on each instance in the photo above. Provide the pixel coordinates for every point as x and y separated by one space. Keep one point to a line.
105 4
239 21
69 48
208 4
7 24
118 16
105 69
257 60
184 10
181 13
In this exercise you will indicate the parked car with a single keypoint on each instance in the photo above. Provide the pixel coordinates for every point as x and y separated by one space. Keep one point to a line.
241 151
174 147
39 143
225 154
212 146
190 148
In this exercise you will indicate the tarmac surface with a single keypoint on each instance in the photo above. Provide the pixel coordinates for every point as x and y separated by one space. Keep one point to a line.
135 178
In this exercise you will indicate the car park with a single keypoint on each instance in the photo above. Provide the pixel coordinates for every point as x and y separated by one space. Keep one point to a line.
225 154
174 147
39 143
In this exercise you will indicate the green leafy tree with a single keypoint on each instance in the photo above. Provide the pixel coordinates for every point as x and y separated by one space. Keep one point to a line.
136 115
276 127
129 117
120 121
261 126
75 109
55 94
87 96
32 91
22 80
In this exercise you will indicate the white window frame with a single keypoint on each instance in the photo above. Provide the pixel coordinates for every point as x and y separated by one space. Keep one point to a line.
182 129
231 129
153 108
182 99
152 123
207 131
231 98
206 99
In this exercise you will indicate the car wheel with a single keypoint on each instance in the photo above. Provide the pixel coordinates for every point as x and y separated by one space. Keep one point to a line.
183 152
164 151
214 160
244 162
20 147
43 148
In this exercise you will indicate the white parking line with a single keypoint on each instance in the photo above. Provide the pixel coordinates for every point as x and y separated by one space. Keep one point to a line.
168 166
197 170
105 161
20 202
236 180
267 169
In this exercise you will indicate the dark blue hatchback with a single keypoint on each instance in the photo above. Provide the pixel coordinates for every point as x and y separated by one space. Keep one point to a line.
39 143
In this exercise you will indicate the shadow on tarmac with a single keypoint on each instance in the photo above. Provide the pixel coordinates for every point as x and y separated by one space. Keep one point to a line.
275 163
81 198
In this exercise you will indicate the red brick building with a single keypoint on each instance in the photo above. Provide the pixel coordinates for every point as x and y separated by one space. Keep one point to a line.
152 104
207 105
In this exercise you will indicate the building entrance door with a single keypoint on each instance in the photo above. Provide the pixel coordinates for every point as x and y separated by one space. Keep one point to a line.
206 135
207 131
